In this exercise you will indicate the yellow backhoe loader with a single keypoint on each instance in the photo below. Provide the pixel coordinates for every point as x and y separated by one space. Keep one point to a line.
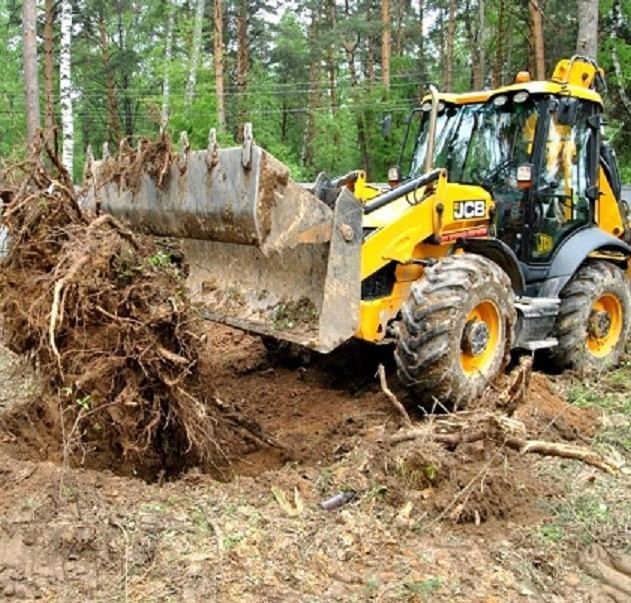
507 231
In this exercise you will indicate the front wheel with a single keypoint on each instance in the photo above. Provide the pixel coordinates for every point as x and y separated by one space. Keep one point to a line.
594 318
456 329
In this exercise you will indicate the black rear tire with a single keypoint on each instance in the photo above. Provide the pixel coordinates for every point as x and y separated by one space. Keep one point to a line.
456 330
594 319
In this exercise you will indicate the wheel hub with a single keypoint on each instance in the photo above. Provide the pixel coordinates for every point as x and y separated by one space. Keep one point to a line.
475 337
599 324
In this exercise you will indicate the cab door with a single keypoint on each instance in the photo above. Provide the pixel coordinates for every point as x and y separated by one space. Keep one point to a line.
566 186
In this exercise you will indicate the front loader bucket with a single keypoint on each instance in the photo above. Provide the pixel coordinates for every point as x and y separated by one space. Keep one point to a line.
265 254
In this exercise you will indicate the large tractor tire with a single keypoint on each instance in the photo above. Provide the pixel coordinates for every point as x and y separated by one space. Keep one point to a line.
594 319
456 330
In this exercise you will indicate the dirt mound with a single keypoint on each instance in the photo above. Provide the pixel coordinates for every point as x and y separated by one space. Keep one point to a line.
103 314
549 414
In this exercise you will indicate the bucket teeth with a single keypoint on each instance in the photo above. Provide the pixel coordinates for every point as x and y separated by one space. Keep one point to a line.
248 141
185 147
265 254
212 156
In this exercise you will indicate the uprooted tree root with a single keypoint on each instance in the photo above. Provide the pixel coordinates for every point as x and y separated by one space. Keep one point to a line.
130 164
465 456
103 315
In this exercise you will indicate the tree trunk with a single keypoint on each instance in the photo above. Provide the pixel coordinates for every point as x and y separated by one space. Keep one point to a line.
618 24
362 140
331 14
243 65
370 50
442 50
49 66
191 82
128 103
386 43
113 118
479 68
314 77
166 78
536 30
400 27
499 52
422 71
31 87
587 38
65 85
218 64
451 32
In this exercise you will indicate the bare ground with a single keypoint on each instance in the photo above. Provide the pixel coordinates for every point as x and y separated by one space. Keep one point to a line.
423 526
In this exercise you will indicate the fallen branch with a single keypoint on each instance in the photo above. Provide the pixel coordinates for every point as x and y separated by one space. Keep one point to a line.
449 439
497 432
395 402
612 570
565 451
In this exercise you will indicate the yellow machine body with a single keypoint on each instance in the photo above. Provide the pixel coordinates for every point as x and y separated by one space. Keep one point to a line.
271 257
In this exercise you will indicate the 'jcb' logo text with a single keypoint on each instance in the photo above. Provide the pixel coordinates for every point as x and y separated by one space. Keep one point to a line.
465 210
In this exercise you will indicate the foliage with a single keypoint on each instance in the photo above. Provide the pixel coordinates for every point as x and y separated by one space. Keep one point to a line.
299 90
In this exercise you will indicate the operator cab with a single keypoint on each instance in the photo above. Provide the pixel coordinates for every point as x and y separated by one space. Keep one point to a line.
536 152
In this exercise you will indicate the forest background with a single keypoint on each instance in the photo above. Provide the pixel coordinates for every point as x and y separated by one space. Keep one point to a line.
316 78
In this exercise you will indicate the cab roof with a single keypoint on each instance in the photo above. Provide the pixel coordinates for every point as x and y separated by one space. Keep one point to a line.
575 77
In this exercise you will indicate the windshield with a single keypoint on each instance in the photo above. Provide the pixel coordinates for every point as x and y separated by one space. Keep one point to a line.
476 143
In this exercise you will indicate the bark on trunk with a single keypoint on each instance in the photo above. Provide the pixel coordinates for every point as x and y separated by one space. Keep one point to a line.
421 46
166 77
587 38
370 50
536 30
400 27
442 51
386 43
198 27
479 69
362 140
330 59
128 103
31 87
113 118
218 64
65 86
314 76
243 64
499 53
49 66
618 24
451 31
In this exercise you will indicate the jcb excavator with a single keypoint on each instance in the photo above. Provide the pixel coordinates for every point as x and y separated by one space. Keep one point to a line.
507 231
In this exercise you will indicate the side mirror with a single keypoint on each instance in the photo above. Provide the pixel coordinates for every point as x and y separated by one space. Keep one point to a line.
386 126
394 176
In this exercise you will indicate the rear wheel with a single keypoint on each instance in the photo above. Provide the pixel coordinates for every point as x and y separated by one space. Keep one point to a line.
456 329
594 318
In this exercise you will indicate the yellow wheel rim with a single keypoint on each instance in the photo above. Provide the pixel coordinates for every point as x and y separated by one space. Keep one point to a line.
605 325
481 336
